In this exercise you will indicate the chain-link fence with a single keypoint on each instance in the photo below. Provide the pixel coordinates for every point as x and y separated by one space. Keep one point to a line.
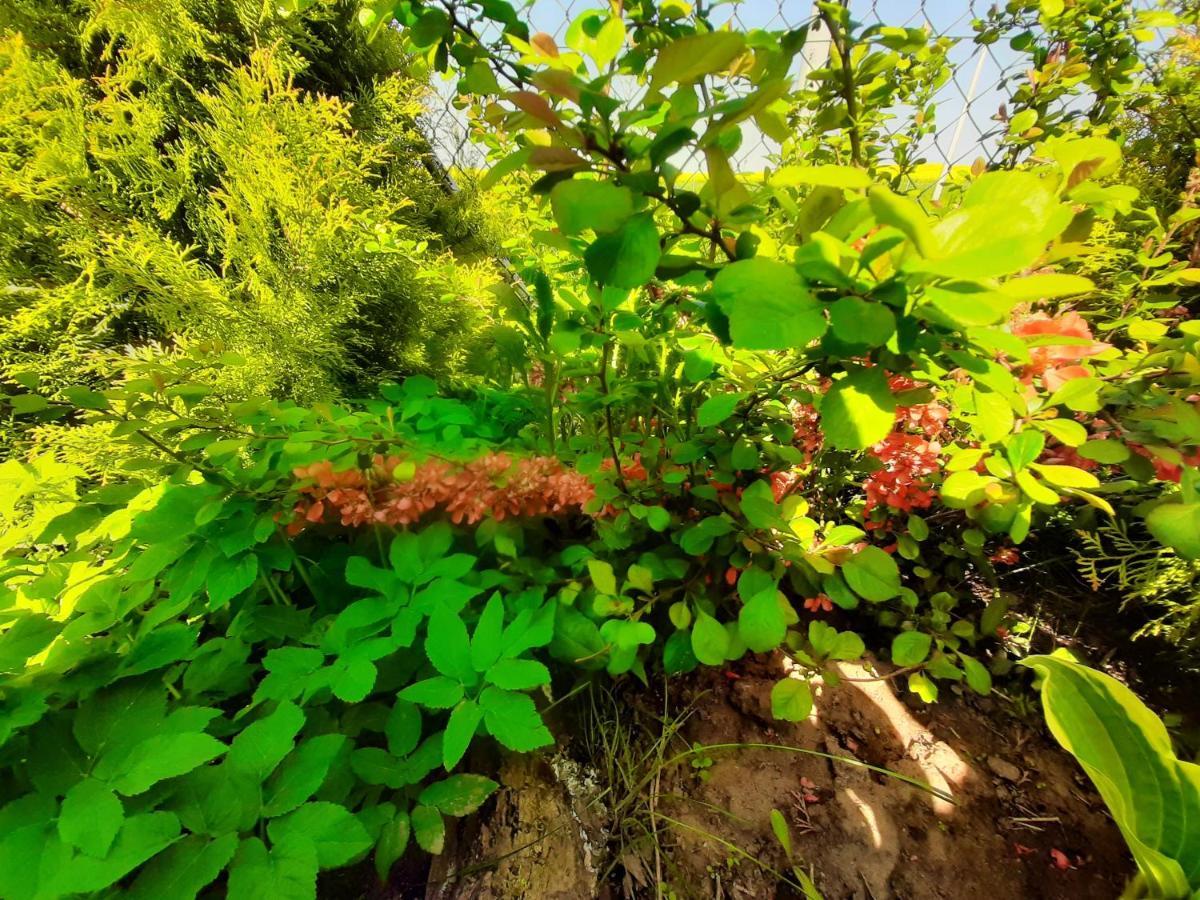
967 124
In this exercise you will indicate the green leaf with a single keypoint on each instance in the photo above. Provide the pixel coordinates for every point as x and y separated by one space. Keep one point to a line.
353 678
301 774
460 729
438 692
140 838
1046 286
911 648
513 720
761 622
758 505
1126 751
90 818
1177 525
1104 451
717 408
288 871
1066 476
603 577
1023 448
859 410
791 700
978 677
228 578
429 829
486 641
28 635
627 257
262 745
458 795
689 58
335 832
1068 432
163 756
905 215
448 646
768 304
872 574
393 841
518 674
184 869
710 640
403 728
859 322
579 205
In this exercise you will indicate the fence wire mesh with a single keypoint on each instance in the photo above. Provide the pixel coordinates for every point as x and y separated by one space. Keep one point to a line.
967 105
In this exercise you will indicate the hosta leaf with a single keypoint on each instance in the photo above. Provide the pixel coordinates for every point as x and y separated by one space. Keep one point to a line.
1126 751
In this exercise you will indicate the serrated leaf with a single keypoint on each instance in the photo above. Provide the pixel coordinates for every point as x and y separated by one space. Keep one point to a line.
333 830
288 871
90 818
460 729
428 828
262 745
458 795
513 720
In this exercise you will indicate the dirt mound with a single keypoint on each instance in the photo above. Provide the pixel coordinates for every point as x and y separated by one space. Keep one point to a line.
1022 821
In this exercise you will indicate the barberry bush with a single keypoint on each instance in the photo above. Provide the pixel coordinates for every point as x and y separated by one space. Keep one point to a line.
811 411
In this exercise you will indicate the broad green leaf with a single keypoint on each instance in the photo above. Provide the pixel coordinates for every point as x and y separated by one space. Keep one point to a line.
768 304
486 640
716 409
428 828
448 646
288 871
403 728
710 641
905 215
518 674
602 575
393 841
438 692
141 837
301 774
90 818
978 676
335 832
627 257
460 729
184 869
761 622
1023 448
859 410
689 58
791 700
911 648
513 720
262 745
1066 476
1177 525
859 322
353 678
160 757
580 204
458 795
758 505
1126 751
229 577
1104 451
872 574
1046 286
1069 433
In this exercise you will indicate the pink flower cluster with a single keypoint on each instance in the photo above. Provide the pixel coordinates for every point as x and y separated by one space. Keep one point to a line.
1057 364
907 459
494 485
